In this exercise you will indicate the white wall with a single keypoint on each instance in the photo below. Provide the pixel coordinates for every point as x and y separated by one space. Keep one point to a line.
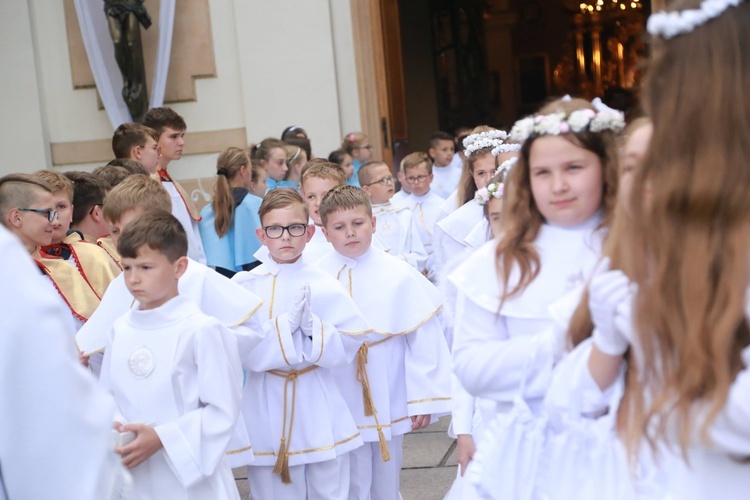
280 63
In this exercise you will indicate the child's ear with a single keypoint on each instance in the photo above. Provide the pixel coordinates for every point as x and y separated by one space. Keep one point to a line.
374 221
310 231
325 233
261 234
180 266
14 218
366 189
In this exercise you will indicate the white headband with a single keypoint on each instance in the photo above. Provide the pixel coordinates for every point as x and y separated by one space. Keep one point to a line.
481 140
671 24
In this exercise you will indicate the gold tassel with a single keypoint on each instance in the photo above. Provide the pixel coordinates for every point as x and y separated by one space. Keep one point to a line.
364 379
384 453
281 458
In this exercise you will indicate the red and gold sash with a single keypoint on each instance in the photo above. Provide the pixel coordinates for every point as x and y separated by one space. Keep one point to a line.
191 207
70 284
97 267
108 245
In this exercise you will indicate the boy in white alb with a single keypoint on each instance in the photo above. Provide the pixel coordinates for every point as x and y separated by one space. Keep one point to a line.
174 372
215 295
171 129
397 232
446 178
423 202
299 424
402 376
403 193
318 177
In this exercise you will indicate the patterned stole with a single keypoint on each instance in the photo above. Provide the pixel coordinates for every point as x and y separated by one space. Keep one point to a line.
97 267
69 283
108 245
191 207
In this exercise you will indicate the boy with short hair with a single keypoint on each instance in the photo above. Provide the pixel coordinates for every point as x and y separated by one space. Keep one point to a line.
424 203
397 231
216 296
441 151
93 262
170 128
27 210
401 378
112 174
318 177
400 196
137 142
88 199
298 421
173 371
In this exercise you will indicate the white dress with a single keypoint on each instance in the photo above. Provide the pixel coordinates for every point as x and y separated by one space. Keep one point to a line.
177 369
55 420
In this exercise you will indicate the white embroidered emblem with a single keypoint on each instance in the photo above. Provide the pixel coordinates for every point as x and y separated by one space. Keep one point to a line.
141 362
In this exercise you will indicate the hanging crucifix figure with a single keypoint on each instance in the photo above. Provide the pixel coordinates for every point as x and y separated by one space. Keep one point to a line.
124 17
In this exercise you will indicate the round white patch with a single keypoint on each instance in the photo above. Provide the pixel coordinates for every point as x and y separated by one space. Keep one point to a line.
141 362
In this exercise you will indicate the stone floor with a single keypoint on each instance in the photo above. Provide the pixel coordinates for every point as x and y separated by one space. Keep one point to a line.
429 464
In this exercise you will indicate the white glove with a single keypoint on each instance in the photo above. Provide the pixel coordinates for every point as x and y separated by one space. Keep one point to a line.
300 314
608 290
306 319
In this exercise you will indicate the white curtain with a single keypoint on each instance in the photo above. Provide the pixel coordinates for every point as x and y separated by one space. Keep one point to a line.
101 54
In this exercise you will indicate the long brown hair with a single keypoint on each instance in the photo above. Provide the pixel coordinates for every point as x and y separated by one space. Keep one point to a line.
467 188
228 165
521 216
689 311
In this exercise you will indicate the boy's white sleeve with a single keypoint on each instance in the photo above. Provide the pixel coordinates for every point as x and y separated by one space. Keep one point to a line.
428 370
417 253
277 349
490 364
328 347
196 442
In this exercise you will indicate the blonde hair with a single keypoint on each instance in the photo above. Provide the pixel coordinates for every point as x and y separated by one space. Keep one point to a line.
689 312
228 165
522 217
282 198
343 198
137 191
352 141
365 171
56 181
323 169
414 160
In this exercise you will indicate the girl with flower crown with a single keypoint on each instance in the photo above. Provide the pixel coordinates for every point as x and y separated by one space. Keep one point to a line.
358 146
485 149
559 198
686 323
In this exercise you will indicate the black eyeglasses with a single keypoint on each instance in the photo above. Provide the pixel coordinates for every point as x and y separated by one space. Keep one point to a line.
294 230
51 214
418 178
384 181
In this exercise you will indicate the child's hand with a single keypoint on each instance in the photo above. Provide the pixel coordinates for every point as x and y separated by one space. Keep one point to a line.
146 443
83 359
419 422
465 450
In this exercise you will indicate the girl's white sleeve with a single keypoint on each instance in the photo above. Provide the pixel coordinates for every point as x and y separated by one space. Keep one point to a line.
730 431
491 364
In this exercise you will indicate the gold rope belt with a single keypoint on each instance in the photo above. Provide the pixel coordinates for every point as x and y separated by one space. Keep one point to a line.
364 379
282 460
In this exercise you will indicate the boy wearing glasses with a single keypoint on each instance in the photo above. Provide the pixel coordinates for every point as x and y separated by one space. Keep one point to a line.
27 207
401 376
299 424
397 231
425 204
96 266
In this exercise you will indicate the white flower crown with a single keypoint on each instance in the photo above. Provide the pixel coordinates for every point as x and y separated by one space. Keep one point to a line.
506 148
671 24
493 190
506 165
558 123
482 140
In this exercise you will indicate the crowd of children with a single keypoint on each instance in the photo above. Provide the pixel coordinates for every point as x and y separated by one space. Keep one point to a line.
320 308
